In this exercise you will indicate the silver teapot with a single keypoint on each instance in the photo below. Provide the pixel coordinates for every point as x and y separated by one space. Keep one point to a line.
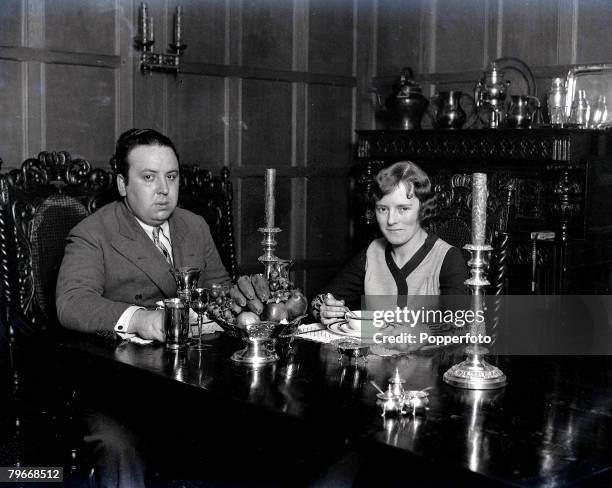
490 93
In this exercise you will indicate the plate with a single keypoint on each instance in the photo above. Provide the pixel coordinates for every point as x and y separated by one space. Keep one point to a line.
522 81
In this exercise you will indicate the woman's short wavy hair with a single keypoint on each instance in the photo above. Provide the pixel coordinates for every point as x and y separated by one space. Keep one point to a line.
417 185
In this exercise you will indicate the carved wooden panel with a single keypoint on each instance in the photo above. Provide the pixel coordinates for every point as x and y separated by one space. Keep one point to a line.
197 119
11 127
203 30
330 50
329 126
399 28
594 17
530 31
81 26
460 31
80 111
482 145
266 124
10 22
267 29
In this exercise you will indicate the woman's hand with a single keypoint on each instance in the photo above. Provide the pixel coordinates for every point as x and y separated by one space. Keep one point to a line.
332 310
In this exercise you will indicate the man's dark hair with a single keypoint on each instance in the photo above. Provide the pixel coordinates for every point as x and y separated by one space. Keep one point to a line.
133 138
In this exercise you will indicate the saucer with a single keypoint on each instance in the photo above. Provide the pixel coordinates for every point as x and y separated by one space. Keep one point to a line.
342 328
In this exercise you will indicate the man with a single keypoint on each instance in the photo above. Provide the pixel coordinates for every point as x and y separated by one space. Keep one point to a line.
118 261
117 264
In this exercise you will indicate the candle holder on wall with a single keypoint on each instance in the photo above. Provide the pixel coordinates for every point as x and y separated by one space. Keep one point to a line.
151 61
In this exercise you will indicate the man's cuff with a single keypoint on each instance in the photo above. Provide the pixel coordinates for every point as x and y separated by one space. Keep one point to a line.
122 324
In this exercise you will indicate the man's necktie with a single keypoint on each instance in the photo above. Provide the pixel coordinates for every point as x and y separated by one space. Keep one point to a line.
160 245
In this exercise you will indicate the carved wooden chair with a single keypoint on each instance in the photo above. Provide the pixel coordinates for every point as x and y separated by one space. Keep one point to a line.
45 198
212 198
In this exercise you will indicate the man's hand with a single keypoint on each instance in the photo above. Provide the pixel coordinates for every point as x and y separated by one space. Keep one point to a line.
148 324
332 310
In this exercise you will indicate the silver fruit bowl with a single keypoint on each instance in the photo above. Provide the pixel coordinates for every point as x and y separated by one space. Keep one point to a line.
260 339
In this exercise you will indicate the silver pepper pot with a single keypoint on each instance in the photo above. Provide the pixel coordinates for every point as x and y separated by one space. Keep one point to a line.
396 384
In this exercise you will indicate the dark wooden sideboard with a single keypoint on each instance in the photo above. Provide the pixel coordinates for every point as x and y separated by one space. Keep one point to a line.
545 179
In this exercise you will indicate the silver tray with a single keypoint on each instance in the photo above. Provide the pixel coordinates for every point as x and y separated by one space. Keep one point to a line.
595 80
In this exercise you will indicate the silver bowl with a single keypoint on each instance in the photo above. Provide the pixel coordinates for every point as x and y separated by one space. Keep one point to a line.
260 339
351 348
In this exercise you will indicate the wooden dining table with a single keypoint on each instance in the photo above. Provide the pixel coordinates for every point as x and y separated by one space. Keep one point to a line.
551 426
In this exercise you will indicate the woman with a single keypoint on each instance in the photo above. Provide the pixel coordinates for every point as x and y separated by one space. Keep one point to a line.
407 260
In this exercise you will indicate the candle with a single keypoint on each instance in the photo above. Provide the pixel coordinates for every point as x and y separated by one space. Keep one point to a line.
151 38
479 208
178 20
269 197
144 36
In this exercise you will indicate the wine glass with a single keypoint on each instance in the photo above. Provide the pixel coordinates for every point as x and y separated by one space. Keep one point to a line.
198 302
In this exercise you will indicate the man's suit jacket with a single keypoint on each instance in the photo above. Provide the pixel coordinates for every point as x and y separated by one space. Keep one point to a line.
110 263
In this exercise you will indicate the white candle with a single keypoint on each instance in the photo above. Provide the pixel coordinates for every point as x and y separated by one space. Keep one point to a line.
270 201
144 36
479 208
151 38
178 21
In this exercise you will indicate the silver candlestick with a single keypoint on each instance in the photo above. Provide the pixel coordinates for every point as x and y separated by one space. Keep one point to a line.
268 258
474 372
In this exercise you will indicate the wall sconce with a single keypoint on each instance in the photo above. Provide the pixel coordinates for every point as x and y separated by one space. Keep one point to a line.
149 60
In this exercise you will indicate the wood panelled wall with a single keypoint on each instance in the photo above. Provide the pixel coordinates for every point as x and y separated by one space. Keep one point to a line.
448 43
265 83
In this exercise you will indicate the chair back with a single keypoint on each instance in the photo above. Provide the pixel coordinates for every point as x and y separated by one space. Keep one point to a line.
47 197
212 198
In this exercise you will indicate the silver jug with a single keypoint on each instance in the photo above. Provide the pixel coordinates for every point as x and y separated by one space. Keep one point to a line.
405 107
521 110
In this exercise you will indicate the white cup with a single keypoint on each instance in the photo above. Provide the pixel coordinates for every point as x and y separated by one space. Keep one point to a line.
359 319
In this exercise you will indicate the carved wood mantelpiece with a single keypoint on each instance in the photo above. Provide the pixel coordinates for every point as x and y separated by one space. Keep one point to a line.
539 179
502 145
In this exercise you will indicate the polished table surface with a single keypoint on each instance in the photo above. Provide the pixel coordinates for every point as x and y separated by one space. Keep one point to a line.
551 426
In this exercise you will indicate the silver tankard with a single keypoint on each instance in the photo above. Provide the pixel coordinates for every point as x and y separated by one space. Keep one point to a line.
176 323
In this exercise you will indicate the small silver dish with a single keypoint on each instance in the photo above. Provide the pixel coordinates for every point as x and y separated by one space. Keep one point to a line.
351 348
417 401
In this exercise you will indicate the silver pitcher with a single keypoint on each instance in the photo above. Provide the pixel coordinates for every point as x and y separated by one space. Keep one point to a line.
521 110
